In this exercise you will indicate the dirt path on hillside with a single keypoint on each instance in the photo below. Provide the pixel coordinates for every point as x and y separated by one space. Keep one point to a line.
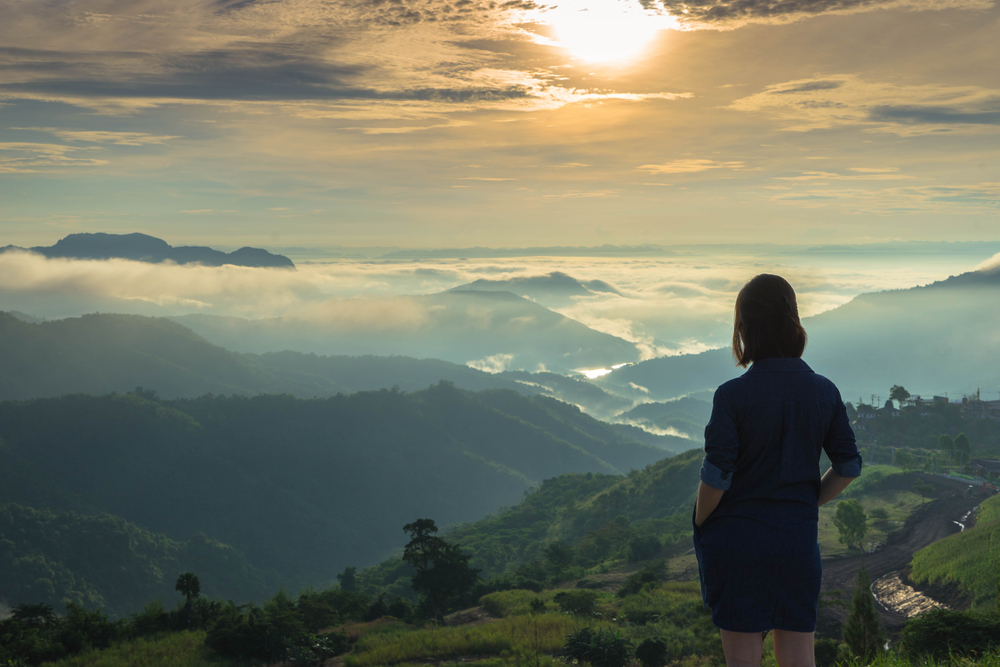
927 525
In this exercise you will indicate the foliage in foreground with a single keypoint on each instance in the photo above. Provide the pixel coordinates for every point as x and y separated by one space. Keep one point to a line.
178 649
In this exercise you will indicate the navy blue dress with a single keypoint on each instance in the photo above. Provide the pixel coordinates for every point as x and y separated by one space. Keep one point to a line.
758 557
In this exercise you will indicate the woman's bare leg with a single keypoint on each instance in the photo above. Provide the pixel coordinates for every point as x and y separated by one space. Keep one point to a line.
743 649
794 649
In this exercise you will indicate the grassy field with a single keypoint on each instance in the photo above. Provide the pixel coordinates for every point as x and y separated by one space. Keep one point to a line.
517 635
970 559
879 488
179 649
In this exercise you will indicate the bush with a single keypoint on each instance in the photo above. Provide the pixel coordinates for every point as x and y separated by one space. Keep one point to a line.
579 602
827 651
643 548
941 633
652 653
634 583
604 648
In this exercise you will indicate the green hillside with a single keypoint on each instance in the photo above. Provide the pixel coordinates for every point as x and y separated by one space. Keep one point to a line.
303 488
970 559
106 562
101 353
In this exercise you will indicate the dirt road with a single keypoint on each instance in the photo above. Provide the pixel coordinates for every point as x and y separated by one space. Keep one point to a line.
927 525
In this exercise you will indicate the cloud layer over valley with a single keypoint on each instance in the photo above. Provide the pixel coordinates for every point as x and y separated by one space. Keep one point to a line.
660 305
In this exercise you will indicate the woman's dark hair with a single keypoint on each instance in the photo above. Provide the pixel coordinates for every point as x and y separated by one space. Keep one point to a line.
767 321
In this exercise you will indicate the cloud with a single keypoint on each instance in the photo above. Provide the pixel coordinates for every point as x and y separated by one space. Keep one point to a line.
688 166
318 58
725 14
937 115
670 305
20 157
847 100
932 198
495 363
103 136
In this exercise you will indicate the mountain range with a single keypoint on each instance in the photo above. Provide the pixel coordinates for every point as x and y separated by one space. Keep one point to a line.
492 330
145 248
934 339
302 487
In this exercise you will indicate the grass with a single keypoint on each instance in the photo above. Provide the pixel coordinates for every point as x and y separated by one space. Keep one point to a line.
896 659
970 559
898 505
518 638
179 649
670 611
989 510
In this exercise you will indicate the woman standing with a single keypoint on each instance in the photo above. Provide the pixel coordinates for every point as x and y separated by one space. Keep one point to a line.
755 520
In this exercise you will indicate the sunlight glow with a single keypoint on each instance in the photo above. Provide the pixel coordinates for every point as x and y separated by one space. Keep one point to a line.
596 373
604 30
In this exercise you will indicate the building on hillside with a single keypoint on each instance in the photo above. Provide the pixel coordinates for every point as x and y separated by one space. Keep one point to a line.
866 412
974 408
889 409
984 467
925 405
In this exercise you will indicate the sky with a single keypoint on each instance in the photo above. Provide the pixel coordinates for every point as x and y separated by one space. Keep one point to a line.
458 123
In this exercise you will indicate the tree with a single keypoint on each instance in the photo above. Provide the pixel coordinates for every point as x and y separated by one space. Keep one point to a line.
946 444
903 459
851 521
897 393
189 586
925 489
560 555
443 574
348 582
863 629
963 449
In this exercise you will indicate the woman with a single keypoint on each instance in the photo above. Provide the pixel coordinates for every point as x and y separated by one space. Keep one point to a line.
756 514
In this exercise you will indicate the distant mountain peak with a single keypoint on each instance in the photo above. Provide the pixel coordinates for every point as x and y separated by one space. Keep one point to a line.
552 286
145 248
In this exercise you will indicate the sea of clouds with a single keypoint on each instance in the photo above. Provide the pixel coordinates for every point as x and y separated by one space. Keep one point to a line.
670 305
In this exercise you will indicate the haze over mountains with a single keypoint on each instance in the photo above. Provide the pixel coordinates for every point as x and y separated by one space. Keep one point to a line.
931 339
491 330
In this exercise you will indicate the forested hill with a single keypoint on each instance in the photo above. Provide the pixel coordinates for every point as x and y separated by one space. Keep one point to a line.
106 562
301 487
573 521
101 353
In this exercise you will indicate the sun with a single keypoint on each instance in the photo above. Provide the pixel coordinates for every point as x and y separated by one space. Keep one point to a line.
603 30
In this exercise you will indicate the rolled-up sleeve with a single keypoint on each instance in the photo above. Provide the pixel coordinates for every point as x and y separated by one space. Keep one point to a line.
840 444
721 444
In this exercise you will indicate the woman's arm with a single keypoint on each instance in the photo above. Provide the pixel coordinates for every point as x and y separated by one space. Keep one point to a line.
831 486
708 500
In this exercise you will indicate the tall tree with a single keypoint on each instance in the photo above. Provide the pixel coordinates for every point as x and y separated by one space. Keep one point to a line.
851 521
863 631
348 580
946 444
898 394
925 489
443 574
190 587
963 449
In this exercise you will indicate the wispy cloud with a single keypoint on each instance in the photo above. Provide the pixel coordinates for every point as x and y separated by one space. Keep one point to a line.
689 166
844 100
103 136
18 157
